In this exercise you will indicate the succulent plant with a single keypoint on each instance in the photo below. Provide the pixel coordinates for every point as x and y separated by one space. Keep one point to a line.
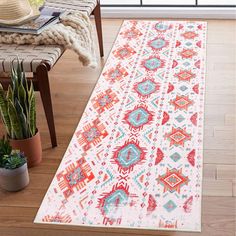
14 160
10 159
17 106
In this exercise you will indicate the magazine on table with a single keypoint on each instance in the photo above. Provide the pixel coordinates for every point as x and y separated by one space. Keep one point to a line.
48 17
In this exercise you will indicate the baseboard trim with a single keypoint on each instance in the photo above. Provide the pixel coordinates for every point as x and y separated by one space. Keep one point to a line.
168 12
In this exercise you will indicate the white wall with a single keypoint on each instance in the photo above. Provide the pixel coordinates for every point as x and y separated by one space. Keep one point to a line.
170 12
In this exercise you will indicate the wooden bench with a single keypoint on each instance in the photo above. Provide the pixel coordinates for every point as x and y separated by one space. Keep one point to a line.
39 60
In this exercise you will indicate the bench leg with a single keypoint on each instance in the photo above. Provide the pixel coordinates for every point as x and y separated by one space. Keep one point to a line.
44 88
97 16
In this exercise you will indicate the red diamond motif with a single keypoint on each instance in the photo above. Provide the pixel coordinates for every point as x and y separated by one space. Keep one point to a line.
105 100
124 52
178 136
114 74
173 180
185 75
132 33
181 102
74 177
188 53
91 134
189 35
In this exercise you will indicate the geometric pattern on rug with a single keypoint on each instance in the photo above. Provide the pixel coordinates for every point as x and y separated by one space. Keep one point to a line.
135 159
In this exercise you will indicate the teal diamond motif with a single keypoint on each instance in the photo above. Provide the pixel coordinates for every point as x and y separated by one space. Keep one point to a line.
175 156
158 43
188 43
129 155
152 63
170 206
186 64
183 88
180 118
146 87
161 27
116 199
138 117
75 177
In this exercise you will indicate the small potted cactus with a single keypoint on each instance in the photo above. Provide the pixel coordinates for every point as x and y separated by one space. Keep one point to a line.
13 168
18 112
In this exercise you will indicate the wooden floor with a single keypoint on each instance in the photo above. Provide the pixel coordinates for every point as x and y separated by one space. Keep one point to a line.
71 86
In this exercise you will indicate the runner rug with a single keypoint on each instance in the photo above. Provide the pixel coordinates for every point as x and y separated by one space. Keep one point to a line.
135 159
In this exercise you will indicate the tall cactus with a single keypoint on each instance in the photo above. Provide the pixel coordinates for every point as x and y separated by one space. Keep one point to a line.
17 106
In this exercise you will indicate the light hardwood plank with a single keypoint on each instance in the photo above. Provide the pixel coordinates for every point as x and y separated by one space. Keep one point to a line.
222 224
230 119
222 188
227 172
224 132
209 171
219 156
234 188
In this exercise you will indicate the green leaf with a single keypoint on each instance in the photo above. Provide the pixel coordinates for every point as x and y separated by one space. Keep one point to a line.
22 98
4 110
14 160
19 71
19 105
14 81
22 119
16 131
10 94
32 111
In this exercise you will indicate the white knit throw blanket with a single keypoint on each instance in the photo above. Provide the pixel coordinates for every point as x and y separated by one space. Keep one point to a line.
73 32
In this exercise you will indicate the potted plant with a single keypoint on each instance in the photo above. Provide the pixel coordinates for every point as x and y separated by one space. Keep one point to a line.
18 112
13 168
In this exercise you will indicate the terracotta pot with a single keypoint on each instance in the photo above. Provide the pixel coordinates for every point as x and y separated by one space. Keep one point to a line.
31 147
14 180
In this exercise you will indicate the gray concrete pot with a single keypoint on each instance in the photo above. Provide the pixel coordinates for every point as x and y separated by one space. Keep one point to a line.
14 180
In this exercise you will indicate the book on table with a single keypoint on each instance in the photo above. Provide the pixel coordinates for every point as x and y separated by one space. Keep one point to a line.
48 17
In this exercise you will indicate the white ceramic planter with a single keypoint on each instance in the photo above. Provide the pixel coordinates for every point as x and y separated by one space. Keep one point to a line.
14 180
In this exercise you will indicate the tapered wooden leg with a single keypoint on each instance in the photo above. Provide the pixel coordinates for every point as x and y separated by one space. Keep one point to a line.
44 89
97 16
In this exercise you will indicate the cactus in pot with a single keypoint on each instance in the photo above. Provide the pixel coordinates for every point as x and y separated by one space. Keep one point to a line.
13 168
18 112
